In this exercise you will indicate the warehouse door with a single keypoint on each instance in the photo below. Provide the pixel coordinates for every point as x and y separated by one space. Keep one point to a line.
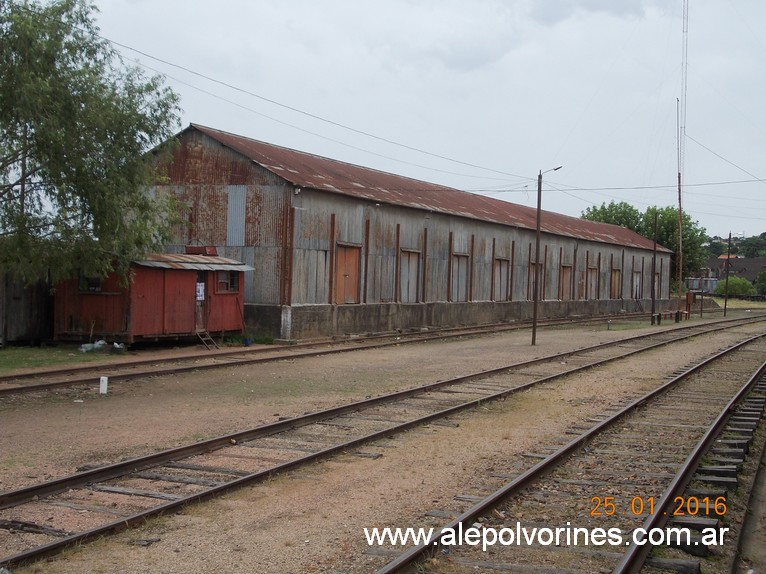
501 274
565 282
460 271
637 285
409 276
615 284
592 287
347 275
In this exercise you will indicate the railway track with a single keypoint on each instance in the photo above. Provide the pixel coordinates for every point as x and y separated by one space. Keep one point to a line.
42 519
669 459
57 378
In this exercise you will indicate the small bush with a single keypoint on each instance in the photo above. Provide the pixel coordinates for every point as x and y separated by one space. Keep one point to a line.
738 287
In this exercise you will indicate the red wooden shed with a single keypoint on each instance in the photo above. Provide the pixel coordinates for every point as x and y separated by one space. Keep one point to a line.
168 296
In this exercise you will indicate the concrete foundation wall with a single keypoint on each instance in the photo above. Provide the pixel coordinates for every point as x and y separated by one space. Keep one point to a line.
312 321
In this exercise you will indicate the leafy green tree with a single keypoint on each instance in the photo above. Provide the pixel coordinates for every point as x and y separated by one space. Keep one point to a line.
716 248
738 286
694 237
622 213
753 246
76 126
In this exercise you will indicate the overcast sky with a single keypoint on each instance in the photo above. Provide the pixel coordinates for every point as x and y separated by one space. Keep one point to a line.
481 95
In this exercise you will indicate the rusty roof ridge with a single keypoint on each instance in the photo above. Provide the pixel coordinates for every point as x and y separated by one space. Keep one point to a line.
303 169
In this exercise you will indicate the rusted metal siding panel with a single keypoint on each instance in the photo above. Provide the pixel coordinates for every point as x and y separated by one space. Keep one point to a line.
290 199
233 203
79 312
409 277
316 172
552 266
235 216
483 266
382 256
147 309
521 268
207 210
179 294
310 285
225 309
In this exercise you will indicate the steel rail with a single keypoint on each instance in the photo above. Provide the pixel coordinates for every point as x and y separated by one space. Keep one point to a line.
20 496
401 338
636 555
119 376
416 553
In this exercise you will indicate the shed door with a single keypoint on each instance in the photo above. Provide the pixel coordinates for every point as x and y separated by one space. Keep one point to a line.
200 310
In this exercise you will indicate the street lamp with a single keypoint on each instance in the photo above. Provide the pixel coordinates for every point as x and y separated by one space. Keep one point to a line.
537 251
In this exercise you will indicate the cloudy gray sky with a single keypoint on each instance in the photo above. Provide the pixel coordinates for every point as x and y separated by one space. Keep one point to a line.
481 95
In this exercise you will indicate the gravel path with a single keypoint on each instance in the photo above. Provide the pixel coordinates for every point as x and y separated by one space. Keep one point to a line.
311 520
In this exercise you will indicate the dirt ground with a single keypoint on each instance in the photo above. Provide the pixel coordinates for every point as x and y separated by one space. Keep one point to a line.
312 520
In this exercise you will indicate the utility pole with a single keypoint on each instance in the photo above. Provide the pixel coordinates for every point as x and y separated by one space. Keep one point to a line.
654 268
536 295
726 285
680 257
538 274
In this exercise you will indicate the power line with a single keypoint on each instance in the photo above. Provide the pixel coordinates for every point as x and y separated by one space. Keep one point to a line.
313 116
743 170
302 112
304 130
668 187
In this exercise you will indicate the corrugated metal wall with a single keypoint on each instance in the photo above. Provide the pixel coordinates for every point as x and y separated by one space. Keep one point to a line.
456 259
317 248
237 207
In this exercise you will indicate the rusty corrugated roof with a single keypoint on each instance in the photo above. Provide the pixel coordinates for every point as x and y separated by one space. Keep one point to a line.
198 262
321 173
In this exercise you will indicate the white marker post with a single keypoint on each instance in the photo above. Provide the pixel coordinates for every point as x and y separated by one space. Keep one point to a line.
103 386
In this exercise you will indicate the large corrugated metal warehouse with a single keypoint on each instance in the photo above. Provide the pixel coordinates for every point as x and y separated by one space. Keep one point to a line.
339 248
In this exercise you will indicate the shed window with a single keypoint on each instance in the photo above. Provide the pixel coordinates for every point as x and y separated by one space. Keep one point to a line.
90 284
228 282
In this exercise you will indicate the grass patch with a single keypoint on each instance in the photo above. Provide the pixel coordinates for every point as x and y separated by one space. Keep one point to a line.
13 358
254 339
740 303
